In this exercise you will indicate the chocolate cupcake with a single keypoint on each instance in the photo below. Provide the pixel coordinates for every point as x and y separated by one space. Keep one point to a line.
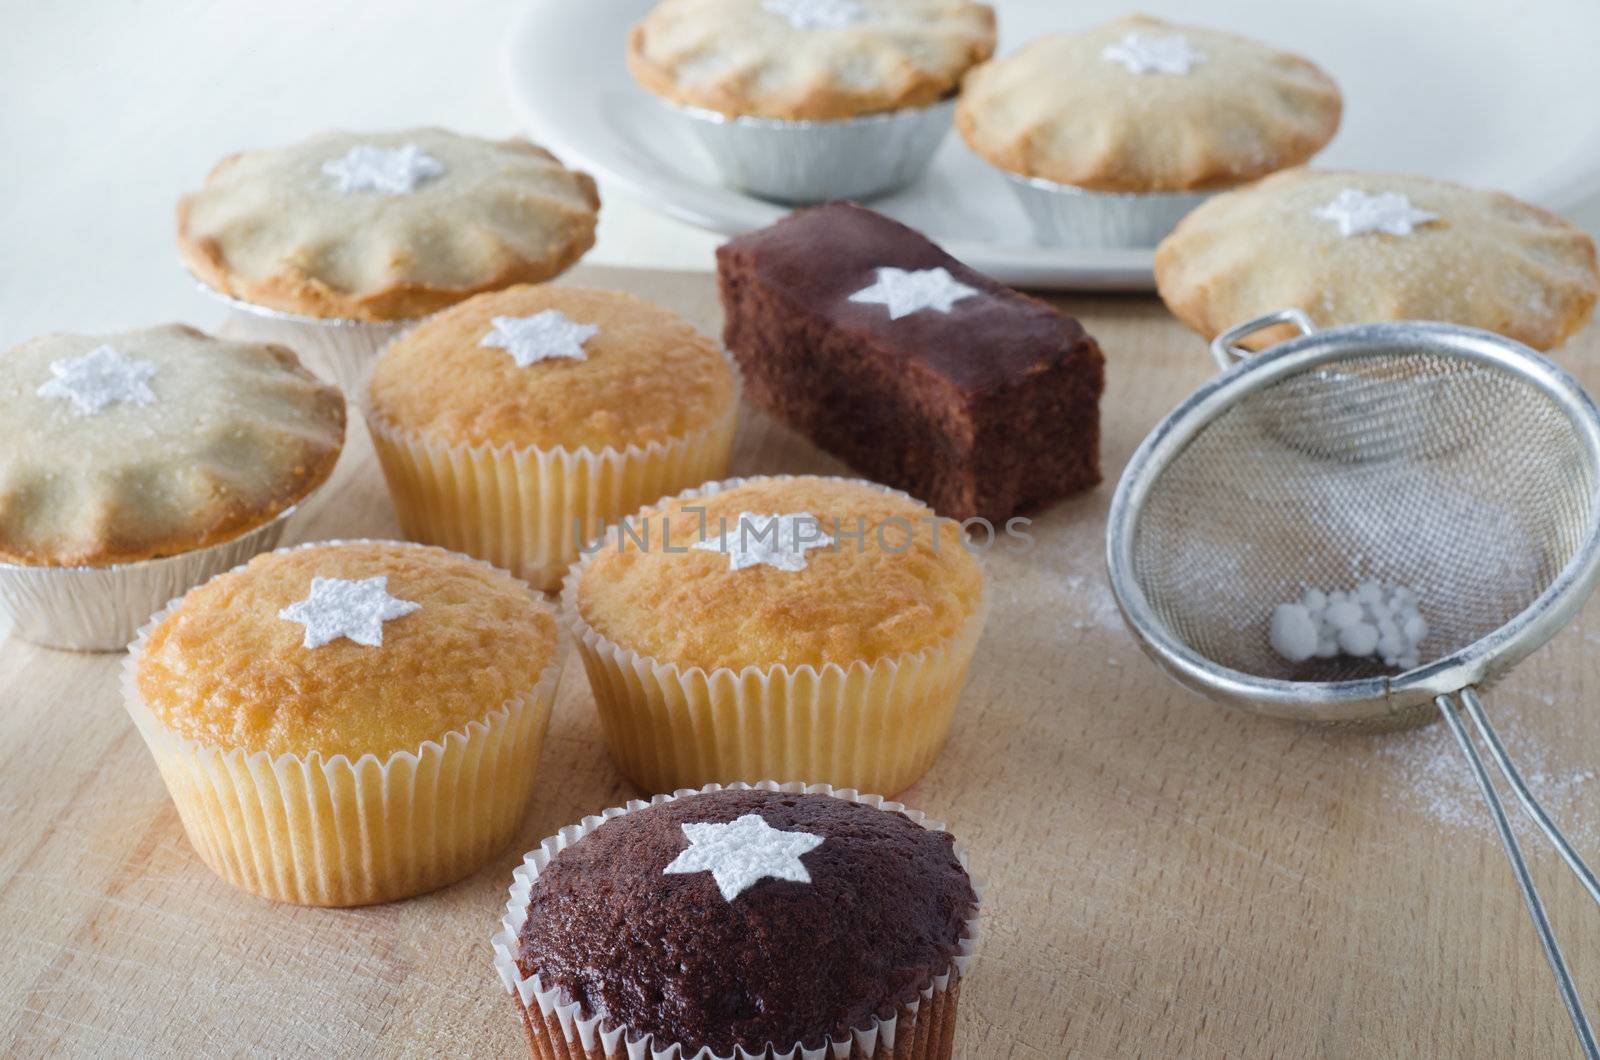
783 920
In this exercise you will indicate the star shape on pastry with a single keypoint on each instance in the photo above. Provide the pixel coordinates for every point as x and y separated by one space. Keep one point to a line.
1144 53
393 170
99 379
774 540
742 852
817 14
540 337
1355 212
907 291
344 607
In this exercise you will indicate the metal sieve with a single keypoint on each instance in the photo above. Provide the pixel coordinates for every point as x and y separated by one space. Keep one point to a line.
1450 460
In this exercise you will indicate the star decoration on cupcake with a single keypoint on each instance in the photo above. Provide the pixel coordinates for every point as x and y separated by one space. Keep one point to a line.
540 337
1356 212
817 14
392 170
344 607
1143 53
99 379
741 853
907 291
774 540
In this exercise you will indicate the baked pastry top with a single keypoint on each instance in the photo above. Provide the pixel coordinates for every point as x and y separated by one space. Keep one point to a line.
808 59
384 226
553 366
870 909
1142 105
1417 249
228 669
893 581
148 443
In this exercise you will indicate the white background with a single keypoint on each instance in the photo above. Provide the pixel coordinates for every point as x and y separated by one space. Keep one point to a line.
111 108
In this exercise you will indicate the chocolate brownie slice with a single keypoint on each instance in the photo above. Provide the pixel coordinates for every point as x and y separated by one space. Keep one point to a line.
916 370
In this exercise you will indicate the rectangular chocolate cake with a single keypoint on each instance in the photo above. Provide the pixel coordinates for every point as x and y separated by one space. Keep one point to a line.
919 372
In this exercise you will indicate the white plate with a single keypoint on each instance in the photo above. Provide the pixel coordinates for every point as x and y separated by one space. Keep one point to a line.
1469 90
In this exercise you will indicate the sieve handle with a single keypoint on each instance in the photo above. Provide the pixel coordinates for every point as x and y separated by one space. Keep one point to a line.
1225 348
1519 866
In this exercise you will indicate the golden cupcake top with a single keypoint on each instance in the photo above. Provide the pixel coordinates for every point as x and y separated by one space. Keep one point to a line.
1141 105
808 59
148 443
1352 247
384 226
552 366
348 648
791 571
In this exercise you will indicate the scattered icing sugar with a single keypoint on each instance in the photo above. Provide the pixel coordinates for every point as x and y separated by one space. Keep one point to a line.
99 379
907 291
393 170
342 607
741 853
1146 54
1356 212
817 14
540 337
1373 618
774 540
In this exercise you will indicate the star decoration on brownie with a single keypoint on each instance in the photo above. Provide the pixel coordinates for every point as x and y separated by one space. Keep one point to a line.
99 379
742 852
1355 212
907 291
774 540
392 170
540 337
344 607
817 14
1144 53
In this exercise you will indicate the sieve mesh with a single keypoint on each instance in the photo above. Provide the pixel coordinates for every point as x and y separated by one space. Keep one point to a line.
1459 479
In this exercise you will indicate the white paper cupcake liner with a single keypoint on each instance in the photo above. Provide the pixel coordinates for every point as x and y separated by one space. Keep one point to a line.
1066 216
529 509
813 161
102 608
875 725
922 1029
342 351
331 831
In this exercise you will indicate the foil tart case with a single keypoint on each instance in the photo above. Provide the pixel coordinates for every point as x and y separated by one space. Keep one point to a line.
1066 216
813 161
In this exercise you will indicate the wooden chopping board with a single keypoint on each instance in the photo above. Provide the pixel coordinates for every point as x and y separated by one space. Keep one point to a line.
1166 878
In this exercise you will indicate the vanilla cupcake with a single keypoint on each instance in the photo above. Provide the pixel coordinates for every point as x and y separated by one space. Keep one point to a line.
802 627
138 464
335 244
1352 248
806 100
350 722
515 426
1112 134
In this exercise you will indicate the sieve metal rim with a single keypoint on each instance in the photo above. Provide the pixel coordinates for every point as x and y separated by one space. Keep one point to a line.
1371 697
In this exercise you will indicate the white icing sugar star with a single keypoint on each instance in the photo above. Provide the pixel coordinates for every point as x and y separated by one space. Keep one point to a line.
540 337
1355 212
775 540
907 291
743 852
344 607
817 14
1144 54
395 170
100 378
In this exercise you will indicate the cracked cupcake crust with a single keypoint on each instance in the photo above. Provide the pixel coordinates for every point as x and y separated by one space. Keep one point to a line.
744 59
237 432
271 228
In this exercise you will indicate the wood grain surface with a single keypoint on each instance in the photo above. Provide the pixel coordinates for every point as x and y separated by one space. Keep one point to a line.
1166 878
